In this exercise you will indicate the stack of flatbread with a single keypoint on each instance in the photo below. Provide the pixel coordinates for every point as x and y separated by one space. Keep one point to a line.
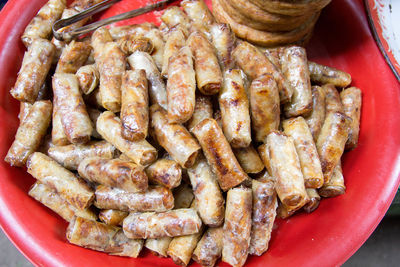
270 22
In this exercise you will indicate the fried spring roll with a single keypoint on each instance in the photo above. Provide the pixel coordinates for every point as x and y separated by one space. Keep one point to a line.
274 54
99 236
73 57
285 167
158 246
223 40
40 25
263 151
264 106
209 248
264 212
237 226
157 90
58 136
351 99
154 225
209 199
174 138
219 154
56 203
173 16
317 115
118 32
156 198
70 156
331 142
198 12
165 172
249 159
113 217
129 44
100 37
109 127
208 72
30 133
175 41
314 200
35 66
72 110
202 109
181 86
234 106
298 129
295 70
323 74
254 63
335 186
117 173
24 108
65 183
88 77
333 103
283 212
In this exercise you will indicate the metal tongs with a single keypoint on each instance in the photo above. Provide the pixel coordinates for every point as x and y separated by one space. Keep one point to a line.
69 35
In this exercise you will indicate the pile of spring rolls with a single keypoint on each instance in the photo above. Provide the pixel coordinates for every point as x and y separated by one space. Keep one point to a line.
146 136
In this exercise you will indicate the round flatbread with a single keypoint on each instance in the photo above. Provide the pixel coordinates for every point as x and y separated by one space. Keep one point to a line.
291 8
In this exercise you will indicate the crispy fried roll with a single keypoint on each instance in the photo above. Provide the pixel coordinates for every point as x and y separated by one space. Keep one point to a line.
234 106
274 54
30 133
35 66
170 223
237 226
129 44
317 115
156 198
40 25
109 127
264 155
333 103
118 32
219 154
113 217
173 16
314 200
298 129
181 86
58 136
249 159
264 106
73 57
165 172
118 173
323 74
295 70
158 246
335 186
283 212
72 110
88 77
65 183
100 37
175 41
24 108
203 109
351 99
198 12
174 138
223 40
99 236
209 248
56 203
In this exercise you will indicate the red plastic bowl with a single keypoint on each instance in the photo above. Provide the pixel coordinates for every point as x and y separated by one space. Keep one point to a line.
326 237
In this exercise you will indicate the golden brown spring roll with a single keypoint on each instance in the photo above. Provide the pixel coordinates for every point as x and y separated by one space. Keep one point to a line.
295 70
285 166
209 248
331 142
157 90
314 200
333 103
219 154
263 151
181 86
58 136
135 105
117 173
235 113
30 133
158 246
198 12
175 41
264 106
223 40
165 172
264 212
113 217
209 199
35 66
283 212
208 72
237 226
129 44
65 183
88 77
24 108
40 25
249 159
70 156
73 57
274 54
254 63
100 37
310 164
173 16
335 186
102 237
72 110
118 32
109 127
174 138
323 74
202 109
56 203
351 99
154 225
317 115
156 198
